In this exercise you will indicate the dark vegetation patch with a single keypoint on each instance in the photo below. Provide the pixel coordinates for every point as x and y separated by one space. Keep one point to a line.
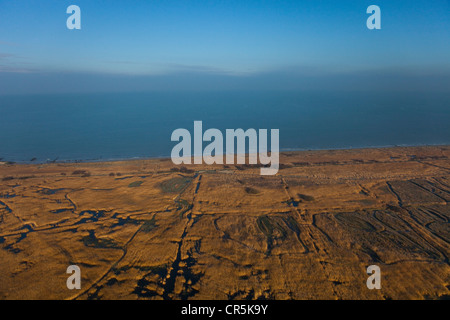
242 295
118 271
124 178
302 164
111 282
182 169
11 249
393 208
25 177
92 241
251 190
7 196
135 184
60 210
82 173
305 197
175 185
149 225
48 191
94 216
142 289
122 221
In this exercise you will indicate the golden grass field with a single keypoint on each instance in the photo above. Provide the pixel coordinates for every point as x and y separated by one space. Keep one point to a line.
148 229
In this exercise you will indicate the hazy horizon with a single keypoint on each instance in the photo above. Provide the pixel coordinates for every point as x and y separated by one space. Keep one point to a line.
215 45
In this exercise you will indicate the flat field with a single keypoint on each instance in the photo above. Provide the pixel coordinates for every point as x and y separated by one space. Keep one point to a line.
147 229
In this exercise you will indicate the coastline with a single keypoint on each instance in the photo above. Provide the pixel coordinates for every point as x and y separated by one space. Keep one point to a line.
289 162
5 161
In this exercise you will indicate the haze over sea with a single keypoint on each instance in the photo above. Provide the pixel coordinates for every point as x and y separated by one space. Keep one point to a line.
86 127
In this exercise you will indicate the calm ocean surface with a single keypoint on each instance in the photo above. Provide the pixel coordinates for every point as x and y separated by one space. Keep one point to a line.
136 125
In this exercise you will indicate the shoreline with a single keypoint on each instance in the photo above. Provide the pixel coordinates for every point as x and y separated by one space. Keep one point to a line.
282 151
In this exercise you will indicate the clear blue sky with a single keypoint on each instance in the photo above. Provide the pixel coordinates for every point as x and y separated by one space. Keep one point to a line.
230 38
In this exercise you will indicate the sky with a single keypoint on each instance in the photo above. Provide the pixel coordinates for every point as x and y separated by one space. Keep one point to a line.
228 44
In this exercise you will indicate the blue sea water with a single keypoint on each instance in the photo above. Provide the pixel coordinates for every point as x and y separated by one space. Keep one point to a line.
139 125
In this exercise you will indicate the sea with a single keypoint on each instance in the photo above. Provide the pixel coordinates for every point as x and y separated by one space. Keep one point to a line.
116 126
